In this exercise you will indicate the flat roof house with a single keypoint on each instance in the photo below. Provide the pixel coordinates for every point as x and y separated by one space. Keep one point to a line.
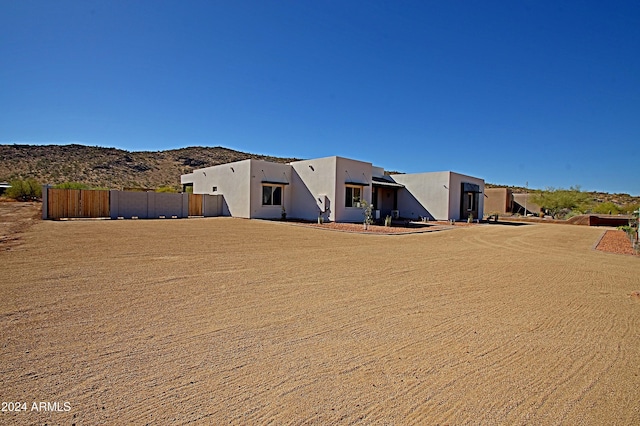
334 188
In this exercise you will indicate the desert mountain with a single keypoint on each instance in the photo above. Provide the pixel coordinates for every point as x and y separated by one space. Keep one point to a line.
110 167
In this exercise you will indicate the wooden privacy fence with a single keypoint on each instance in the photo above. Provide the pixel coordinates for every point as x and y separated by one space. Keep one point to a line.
84 203
76 203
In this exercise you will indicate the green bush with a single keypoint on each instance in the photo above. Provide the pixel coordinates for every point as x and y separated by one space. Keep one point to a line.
570 214
72 185
24 190
560 202
166 189
606 208
630 208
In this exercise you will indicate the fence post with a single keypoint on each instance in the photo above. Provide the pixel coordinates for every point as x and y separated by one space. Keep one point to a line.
151 204
113 204
45 201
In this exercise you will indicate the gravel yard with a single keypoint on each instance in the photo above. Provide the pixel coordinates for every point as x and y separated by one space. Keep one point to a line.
615 241
220 320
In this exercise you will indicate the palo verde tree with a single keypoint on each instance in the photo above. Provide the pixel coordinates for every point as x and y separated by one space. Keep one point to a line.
560 202
606 207
24 190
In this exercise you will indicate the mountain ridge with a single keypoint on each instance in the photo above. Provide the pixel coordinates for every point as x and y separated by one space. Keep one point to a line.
113 168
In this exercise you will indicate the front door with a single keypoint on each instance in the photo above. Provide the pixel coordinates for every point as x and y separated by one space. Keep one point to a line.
469 201
385 200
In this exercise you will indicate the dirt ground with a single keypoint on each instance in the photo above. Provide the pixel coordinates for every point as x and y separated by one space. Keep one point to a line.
15 218
221 320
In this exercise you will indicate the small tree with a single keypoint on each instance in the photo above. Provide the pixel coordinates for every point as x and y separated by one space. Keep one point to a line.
24 190
606 208
559 202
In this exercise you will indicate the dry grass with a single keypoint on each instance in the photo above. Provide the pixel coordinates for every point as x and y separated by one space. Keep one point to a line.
234 321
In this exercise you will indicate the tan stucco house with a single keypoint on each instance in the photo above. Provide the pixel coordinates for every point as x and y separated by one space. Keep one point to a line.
335 188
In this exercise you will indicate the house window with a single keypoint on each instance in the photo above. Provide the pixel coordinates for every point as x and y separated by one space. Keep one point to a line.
272 195
471 200
353 196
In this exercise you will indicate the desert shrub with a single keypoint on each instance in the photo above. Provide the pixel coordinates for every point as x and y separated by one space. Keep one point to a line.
570 213
606 208
630 208
626 228
71 185
24 190
166 189
560 202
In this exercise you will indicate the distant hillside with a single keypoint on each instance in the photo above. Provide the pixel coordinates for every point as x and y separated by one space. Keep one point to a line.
112 168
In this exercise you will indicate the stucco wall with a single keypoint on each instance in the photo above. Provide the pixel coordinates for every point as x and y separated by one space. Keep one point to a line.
148 205
424 195
455 192
497 200
351 172
230 180
212 205
265 171
314 188
377 171
436 195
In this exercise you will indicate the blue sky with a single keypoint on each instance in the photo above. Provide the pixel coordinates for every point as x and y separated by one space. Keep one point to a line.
543 92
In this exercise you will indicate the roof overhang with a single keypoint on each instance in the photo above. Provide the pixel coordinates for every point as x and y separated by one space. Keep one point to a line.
383 183
272 182
470 187
387 185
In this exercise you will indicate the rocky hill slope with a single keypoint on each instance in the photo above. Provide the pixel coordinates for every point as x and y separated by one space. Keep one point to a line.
110 167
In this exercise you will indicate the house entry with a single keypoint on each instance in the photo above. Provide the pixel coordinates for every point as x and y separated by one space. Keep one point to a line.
469 200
